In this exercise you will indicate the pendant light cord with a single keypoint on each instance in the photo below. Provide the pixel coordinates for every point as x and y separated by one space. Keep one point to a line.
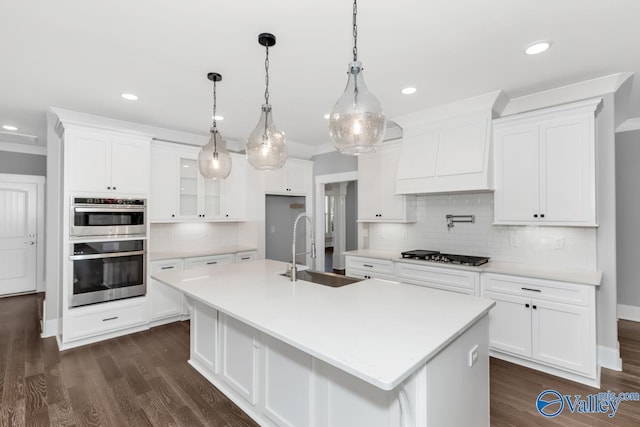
355 31
266 93
214 126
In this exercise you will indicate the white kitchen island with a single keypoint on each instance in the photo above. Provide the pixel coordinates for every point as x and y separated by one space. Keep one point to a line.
373 353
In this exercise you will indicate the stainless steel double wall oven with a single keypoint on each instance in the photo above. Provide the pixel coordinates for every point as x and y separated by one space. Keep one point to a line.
108 249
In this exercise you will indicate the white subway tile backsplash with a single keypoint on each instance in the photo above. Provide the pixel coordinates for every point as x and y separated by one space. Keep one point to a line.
571 247
185 236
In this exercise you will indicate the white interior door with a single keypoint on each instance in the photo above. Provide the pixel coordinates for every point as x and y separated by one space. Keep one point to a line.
18 223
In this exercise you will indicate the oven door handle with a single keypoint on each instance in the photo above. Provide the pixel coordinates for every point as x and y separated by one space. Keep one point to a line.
108 255
108 210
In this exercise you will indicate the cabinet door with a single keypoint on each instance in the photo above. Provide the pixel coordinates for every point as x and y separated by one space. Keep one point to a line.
566 170
88 161
204 261
297 178
274 181
234 191
209 198
165 301
189 184
240 346
130 158
517 174
510 324
368 183
561 336
390 205
165 181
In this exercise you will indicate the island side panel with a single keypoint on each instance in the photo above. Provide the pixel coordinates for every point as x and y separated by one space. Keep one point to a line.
457 393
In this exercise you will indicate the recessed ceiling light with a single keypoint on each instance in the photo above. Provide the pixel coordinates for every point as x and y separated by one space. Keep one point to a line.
218 117
537 47
409 90
9 127
129 97
326 116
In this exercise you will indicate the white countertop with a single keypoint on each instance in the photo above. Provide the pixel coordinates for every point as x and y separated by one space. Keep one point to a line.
586 277
189 253
378 331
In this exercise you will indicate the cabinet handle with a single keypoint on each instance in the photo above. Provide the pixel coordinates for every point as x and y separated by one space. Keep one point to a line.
368 265
541 215
526 305
114 188
535 215
110 318
227 215
531 289
169 267
173 215
244 258
108 188
535 307
212 262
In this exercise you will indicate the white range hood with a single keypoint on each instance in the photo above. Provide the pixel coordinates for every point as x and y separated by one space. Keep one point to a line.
448 148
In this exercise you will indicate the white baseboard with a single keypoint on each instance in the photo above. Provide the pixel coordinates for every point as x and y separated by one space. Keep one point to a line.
629 312
609 358
49 328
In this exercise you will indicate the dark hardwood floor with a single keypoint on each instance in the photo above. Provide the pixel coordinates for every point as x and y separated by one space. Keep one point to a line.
143 379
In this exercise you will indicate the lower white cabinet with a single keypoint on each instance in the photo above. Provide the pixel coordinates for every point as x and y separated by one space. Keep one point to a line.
543 323
369 268
447 279
167 303
246 256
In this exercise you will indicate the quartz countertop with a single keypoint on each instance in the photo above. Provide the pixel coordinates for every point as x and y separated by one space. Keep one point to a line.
376 330
190 253
582 276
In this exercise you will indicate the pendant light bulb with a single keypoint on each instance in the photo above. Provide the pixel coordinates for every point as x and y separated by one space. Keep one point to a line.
357 122
266 148
214 161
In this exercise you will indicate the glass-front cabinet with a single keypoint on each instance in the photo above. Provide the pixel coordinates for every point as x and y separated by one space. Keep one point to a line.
179 192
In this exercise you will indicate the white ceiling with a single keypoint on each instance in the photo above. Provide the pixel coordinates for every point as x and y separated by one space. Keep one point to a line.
81 55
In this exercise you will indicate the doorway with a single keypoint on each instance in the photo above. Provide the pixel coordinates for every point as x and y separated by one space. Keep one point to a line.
21 223
280 213
336 216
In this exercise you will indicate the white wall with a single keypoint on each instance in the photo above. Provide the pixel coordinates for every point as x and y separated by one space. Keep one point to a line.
627 216
572 247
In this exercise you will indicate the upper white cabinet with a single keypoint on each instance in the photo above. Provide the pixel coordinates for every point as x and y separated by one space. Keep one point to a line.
294 179
101 161
179 192
377 198
545 166
447 148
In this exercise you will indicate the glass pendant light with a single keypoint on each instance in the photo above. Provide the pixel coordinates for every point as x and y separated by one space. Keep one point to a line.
357 122
214 160
266 149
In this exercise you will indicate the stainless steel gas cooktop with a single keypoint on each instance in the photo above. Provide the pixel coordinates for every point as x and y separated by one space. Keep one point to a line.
436 256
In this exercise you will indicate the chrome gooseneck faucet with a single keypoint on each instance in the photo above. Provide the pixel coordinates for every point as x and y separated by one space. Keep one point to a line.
294 269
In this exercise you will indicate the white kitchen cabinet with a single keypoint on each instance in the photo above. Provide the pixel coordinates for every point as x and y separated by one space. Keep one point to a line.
369 268
545 166
293 179
448 279
377 198
104 162
543 323
167 303
239 344
203 261
179 192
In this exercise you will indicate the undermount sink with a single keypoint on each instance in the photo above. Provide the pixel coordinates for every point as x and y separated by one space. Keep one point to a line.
322 278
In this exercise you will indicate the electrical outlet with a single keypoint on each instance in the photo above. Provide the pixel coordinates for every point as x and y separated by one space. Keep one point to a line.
473 356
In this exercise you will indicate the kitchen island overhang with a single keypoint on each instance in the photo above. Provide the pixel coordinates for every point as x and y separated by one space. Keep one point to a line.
383 333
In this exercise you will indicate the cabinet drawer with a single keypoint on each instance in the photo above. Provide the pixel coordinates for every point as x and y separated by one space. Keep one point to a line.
246 256
550 290
96 320
207 260
439 278
370 265
361 274
166 265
